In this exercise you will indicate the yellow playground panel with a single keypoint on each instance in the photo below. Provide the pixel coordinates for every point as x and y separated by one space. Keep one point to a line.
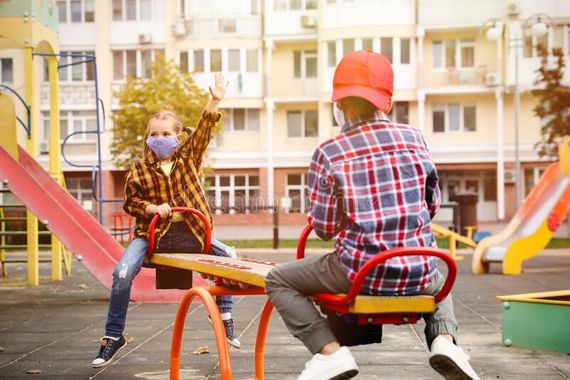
31 25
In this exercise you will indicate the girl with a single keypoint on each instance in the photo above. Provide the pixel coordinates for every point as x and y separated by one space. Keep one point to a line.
167 176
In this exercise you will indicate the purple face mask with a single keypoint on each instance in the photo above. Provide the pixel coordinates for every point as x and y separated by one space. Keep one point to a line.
163 147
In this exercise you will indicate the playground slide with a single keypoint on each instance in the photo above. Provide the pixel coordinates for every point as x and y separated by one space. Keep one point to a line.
533 225
78 230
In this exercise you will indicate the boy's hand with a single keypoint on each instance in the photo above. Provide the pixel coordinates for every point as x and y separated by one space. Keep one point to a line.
219 90
162 210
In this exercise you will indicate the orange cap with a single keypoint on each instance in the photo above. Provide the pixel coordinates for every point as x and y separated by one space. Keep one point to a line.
364 74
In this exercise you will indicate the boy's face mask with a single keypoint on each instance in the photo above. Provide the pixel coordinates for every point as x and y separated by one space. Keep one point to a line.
338 115
163 147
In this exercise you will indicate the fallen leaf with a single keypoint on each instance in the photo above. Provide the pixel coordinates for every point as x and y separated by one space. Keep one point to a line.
129 339
35 371
83 286
201 350
2 348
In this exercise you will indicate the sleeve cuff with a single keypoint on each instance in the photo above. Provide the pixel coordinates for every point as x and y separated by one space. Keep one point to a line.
211 116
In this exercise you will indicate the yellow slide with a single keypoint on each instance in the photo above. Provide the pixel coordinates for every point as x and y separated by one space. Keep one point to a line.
534 224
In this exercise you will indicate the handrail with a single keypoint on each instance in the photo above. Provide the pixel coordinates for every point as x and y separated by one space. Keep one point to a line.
156 217
379 259
28 129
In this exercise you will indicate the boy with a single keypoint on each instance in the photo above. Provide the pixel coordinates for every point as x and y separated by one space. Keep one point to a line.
373 187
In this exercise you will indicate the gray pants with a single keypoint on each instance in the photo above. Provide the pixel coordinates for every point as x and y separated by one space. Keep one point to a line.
288 286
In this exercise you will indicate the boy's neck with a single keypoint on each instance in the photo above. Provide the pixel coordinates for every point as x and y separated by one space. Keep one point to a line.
166 162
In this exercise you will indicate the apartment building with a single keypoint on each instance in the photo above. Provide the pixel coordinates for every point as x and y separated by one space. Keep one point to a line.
279 55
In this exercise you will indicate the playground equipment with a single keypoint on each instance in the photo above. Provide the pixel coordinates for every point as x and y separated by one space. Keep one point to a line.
248 278
537 320
535 222
453 238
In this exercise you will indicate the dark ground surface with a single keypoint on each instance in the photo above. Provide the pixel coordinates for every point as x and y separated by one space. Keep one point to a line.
55 328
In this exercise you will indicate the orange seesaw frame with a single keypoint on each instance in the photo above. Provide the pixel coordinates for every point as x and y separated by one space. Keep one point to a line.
370 309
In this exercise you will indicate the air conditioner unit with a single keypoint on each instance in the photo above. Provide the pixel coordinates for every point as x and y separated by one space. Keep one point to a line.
308 21
513 8
492 79
179 29
44 147
510 176
145 38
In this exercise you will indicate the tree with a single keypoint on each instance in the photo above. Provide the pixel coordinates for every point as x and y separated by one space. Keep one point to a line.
553 102
167 89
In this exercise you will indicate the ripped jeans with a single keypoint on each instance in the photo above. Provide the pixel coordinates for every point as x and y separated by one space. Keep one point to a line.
126 270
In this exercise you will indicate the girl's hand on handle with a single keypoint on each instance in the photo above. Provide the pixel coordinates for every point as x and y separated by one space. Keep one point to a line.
219 90
162 210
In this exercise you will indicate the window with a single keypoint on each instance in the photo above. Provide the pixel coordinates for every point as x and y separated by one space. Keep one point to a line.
386 47
252 60
347 46
454 117
74 121
183 61
302 124
241 119
305 63
227 25
132 10
79 72
445 53
198 61
75 10
400 113
490 188
405 51
135 63
367 44
294 5
81 188
215 60
532 44
331 54
233 193
62 10
467 57
234 60
7 71
297 193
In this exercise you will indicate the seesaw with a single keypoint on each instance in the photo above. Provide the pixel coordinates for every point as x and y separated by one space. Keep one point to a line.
244 276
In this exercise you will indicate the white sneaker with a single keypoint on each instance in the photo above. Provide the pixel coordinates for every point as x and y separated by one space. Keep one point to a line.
450 361
337 366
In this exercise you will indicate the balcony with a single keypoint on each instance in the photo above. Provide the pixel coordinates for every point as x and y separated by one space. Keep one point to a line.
242 85
140 32
292 23
207 26
480 75
341 14
71 94
458 13
77 34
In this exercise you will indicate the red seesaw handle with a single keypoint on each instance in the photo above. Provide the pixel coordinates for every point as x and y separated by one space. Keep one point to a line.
379 259
188 210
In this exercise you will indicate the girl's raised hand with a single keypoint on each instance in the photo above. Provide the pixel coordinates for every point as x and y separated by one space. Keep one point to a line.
219 90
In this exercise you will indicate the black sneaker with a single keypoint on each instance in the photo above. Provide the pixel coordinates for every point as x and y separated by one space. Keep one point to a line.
230 337
109 347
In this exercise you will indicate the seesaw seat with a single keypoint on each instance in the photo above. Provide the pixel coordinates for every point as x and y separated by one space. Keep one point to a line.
252 272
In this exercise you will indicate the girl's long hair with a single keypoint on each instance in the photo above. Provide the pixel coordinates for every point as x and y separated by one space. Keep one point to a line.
161 115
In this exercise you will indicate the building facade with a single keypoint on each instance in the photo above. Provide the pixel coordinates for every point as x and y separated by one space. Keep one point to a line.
451 82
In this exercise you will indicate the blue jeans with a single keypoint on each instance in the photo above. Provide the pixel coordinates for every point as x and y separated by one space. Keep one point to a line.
130 265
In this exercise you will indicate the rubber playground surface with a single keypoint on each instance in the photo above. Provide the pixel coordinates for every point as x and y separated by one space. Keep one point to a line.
52 331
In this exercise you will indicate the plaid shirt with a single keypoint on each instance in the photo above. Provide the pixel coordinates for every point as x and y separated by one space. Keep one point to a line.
387 189
146 182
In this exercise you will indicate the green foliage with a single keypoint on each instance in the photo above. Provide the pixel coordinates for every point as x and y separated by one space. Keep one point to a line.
553 102
167 89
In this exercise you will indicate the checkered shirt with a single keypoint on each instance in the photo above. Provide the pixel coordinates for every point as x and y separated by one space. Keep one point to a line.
147 183
375 187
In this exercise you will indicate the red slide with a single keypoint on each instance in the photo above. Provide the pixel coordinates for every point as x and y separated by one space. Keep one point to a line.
77 229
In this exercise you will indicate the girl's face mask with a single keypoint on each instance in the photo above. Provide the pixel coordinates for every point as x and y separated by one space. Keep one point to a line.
163 147
338 115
